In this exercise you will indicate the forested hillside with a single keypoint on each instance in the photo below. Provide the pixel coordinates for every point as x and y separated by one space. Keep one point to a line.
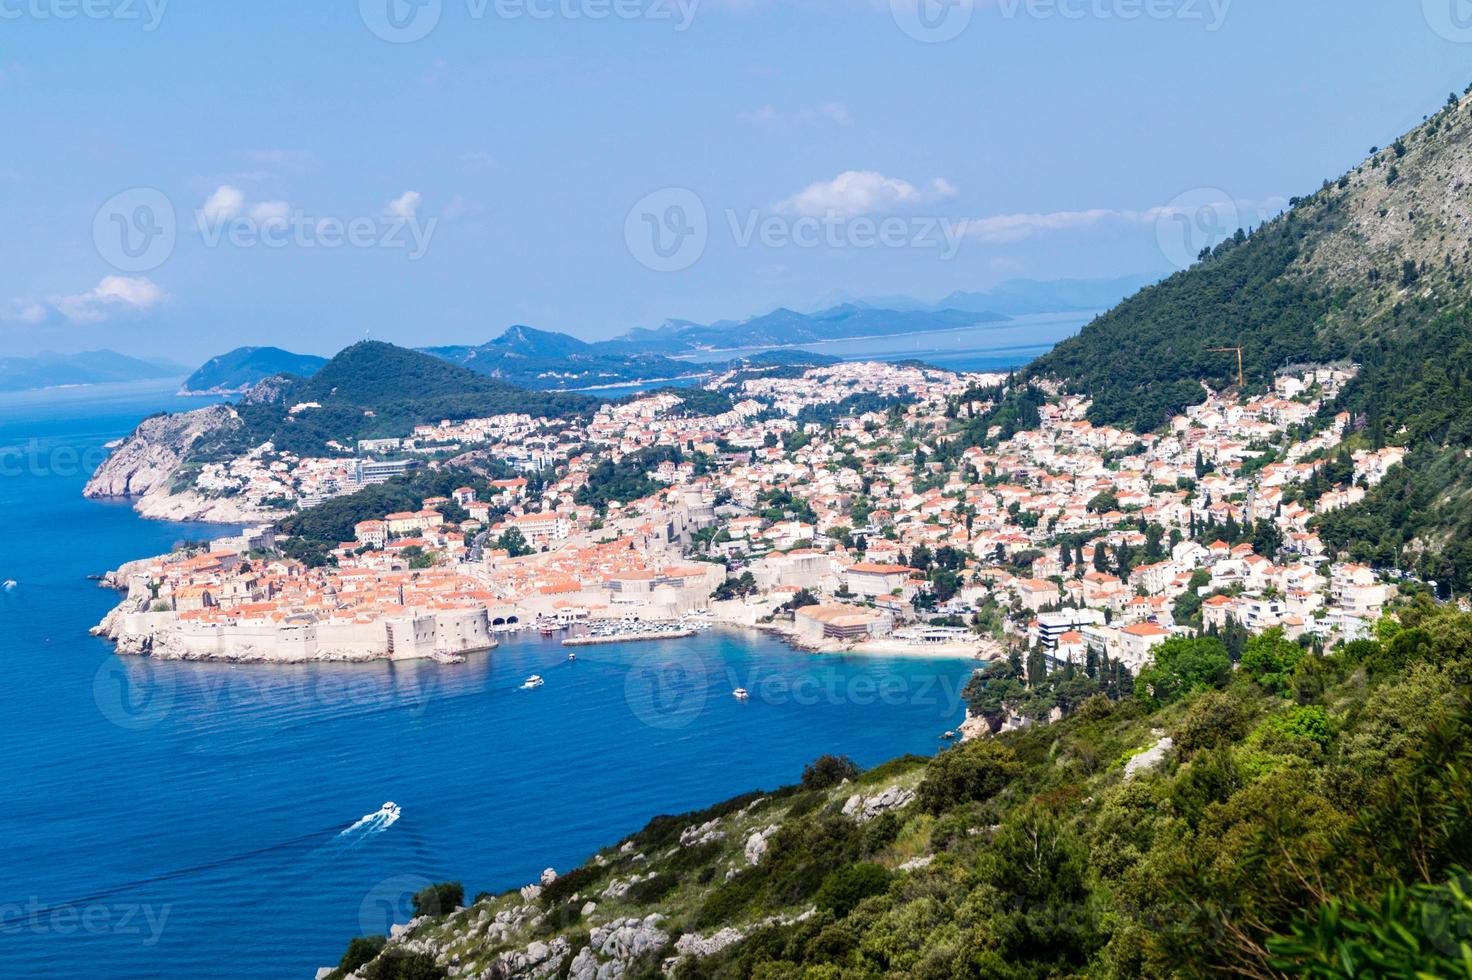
1302 816
373 389
1375 267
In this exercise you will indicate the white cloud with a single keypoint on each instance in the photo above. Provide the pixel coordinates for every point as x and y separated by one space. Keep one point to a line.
830 112
113 295
837 112
27 311
859 192
405 205
270 213
761 117
1006 228
223 205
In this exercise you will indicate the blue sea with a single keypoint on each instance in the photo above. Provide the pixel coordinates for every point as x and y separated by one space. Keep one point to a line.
168 820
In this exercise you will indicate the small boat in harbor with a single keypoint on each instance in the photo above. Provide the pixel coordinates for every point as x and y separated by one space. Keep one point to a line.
741 694
572 656
948 736
533 682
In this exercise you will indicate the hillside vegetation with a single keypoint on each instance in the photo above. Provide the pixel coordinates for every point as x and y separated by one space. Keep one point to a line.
1300 816
240 368
373 389
1376 268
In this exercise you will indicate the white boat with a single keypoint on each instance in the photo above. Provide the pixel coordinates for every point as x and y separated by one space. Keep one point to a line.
10 584
741 694
389 809
532 682
572 656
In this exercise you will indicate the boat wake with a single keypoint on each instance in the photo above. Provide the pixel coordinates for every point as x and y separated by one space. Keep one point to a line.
369 825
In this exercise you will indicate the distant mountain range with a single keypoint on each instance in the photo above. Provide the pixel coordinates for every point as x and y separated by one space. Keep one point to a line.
236 371
1016 297
51 370
551 361
788 328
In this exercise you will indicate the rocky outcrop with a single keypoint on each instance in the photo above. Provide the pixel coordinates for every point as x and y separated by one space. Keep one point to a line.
148 459
863 808
145 465
1151 758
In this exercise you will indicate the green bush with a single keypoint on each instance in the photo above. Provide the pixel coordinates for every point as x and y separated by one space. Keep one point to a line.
1183 666
848 886
360 951
1215 718
568 885
410 966
1270 659
440 899
828 771
973 772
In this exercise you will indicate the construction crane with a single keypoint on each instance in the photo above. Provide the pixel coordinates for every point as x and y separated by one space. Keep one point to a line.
1241 375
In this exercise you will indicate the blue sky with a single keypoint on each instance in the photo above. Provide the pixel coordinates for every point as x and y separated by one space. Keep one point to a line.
784 152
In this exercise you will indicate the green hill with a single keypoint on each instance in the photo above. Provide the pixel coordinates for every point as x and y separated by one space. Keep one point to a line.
240 368
373 389
1302 816
1375 267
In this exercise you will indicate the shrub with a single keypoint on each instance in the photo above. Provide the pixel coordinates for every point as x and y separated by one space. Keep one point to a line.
976 771
1304 729
1270 659
848 886
361 951
652 889
1182 666
1215 718
440 899
892 769
411 966
828 771
568 885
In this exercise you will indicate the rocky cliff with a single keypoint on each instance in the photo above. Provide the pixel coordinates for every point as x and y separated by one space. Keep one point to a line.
145 464
150 456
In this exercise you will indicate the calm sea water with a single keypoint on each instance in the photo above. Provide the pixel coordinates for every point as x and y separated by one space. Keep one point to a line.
986 347
192 820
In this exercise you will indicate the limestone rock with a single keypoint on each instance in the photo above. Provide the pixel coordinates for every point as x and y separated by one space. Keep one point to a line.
865 809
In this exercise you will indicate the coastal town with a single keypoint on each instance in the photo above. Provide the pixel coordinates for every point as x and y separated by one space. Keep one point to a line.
847 508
